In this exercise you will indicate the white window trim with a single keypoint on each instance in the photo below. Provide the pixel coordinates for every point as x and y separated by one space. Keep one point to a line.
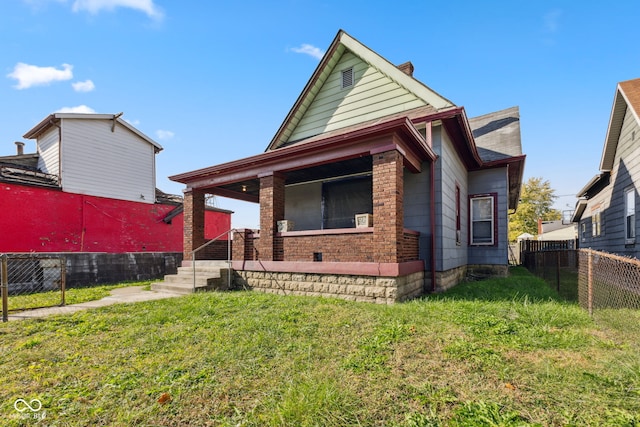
493 220
629 192
596 226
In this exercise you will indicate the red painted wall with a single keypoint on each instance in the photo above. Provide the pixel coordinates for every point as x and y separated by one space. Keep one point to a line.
44 220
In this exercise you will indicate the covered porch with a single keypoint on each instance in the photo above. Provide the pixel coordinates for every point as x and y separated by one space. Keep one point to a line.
326 247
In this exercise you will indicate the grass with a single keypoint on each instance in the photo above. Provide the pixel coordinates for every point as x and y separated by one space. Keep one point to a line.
500 352
72 296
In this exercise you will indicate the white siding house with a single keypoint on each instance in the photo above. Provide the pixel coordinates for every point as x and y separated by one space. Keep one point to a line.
97 154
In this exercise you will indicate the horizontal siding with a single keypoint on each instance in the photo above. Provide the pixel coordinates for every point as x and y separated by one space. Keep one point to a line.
492 181
99 162
449 170
374 95
625 174
49 152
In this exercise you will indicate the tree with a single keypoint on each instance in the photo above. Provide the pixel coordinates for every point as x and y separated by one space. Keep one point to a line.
536 199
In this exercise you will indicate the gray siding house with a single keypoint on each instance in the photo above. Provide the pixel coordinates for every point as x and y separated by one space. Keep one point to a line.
366 140
606 210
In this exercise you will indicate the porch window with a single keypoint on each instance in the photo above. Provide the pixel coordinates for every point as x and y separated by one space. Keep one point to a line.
343 199
483 220
630 215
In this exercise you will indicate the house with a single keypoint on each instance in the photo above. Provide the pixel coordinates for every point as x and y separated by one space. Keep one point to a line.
374 188
556 230
90 187
605 211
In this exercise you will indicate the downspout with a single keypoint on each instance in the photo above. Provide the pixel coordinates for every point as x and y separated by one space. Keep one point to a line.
432 204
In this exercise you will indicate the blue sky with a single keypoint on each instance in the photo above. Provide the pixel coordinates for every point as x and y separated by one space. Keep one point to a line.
212 81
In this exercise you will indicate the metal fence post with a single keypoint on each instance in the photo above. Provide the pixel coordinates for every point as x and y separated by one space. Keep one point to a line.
4 288
63 279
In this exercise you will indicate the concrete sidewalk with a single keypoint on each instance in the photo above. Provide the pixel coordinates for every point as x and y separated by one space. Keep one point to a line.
118 295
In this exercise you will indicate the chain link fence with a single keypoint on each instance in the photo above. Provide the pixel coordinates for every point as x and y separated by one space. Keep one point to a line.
559 268
608 281
31 281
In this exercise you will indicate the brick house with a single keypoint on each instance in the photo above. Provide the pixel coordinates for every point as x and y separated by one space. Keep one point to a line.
374 188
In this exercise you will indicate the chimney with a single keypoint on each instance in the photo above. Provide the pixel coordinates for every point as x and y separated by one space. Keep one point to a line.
20 147
540 229
406 68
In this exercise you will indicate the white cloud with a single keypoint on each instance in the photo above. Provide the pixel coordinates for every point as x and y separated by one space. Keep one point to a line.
85 86
79 109
32 75
552 21
95 6
133 123
310 50
164 134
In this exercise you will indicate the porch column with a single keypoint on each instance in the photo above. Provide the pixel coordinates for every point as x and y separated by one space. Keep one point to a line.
388 211
193 228
271 211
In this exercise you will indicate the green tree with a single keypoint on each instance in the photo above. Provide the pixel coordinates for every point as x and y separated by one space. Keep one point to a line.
536 199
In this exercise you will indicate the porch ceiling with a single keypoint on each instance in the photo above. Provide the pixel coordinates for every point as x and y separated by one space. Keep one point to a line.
250 189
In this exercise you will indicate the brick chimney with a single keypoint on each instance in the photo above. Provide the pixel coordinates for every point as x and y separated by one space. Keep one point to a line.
406 68
20 147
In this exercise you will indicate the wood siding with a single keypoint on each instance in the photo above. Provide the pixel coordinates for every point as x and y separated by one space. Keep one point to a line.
49 152
417 212
97 161
610 201
372 96
449 171
493 181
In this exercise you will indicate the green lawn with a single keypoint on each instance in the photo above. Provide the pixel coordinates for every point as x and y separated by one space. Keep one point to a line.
503 352
72 296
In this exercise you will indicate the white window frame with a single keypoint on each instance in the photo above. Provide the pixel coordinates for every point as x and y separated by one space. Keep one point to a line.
596 223
473 201
630 215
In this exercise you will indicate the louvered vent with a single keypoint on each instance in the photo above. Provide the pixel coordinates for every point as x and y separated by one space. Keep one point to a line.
347 78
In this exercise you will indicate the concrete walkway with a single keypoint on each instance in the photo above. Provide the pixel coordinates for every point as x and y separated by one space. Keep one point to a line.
118 295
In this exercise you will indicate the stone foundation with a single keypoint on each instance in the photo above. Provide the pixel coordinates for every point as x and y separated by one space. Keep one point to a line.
381 290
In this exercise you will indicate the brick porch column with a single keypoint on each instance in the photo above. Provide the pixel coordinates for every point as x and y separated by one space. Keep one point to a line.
193 228
271 211
388 211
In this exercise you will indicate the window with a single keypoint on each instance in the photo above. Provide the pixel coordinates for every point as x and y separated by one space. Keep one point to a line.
347 78
596 223
630 215
343 199
583 231
458 238
482 220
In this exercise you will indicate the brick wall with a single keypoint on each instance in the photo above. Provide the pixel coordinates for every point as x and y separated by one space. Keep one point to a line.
193 230
271 211
410 247
388 213
333 247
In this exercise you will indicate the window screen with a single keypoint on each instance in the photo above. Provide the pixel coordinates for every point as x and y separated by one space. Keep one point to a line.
342 200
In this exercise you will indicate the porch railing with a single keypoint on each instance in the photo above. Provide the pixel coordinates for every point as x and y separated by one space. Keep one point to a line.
229 234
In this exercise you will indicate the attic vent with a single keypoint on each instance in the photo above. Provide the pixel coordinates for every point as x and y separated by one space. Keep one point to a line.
347 77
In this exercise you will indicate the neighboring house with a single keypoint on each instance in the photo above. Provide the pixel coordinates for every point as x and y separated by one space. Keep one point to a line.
556 230
90 187
606 210
374 188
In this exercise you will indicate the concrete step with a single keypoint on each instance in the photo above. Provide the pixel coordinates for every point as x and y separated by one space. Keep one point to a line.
208 277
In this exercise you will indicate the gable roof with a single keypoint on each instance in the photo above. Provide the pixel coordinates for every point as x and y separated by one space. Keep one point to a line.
627 96
52 119
342 43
